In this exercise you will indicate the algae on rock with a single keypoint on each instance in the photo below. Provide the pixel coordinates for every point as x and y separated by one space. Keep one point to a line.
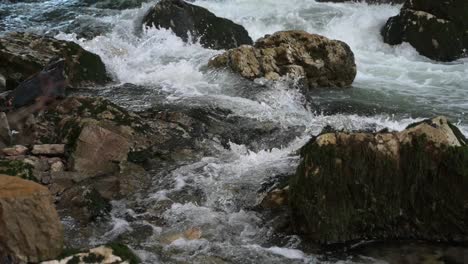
354 186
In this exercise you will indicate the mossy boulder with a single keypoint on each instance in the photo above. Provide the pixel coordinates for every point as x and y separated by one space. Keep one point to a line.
24 54
191 21
363 186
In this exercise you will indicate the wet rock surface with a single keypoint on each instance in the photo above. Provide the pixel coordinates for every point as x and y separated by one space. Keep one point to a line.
355 186
315 60
25 54
191 22
30 228
436 29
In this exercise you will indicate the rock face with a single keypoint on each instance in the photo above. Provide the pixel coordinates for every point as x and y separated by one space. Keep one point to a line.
354 186
186 19
436 29
316 60
25 54
30 229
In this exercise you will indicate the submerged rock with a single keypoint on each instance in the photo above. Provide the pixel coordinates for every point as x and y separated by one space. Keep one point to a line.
191 22
387 185
25 54
316 60
436 29
30 229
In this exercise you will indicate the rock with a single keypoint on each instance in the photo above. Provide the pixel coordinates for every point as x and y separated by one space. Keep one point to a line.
49 149
30 229
111 253
85 204
99 150
115 4
318 61
192 233
190 21
386 185
57 166
16 150
366 1
26 54
436 29
275 198
49 84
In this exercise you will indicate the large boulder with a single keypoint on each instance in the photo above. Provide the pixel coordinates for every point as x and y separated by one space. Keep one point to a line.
30 229
191 21
436 29
386 185
25 54
316 60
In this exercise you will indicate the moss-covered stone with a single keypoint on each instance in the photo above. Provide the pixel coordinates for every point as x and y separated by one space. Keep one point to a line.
17 168
353 186
27 53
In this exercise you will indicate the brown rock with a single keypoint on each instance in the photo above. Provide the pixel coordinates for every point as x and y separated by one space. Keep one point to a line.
49 149
316 60
99 150
30 229
16 150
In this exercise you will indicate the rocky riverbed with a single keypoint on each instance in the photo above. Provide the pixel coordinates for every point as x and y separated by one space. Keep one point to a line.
233 132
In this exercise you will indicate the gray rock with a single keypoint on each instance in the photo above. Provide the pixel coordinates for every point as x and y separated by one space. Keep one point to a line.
27 54
187 20
436 29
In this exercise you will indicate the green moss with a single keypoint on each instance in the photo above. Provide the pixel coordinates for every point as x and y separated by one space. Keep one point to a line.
74 260
139 157
349 192
67 252
93 258
70 133
98 206
17 168
124 253
96 106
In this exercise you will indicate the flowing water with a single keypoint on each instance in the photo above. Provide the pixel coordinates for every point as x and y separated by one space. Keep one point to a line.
213 198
